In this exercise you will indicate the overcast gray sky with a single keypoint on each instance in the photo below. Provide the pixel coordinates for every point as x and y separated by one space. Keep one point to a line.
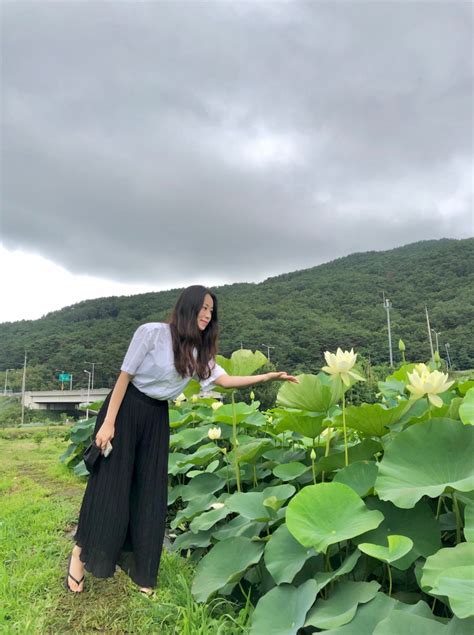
164 142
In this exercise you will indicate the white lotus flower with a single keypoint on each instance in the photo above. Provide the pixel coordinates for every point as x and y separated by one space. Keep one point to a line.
217 505
214 433
341 364
216 405
430 383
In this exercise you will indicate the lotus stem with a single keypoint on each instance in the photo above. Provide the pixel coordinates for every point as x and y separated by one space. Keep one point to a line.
458 518
313 468
429 408
328 441
255 481
346 453
234 442
389 580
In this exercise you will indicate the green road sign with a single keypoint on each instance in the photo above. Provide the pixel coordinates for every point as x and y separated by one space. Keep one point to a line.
64 377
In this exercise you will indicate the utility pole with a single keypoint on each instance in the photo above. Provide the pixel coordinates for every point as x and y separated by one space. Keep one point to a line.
23 383
429 334
268 350
447 355
6 379
70 382
387 306
89 374
93 364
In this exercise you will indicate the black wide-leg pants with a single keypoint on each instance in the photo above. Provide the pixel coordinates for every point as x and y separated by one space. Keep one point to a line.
123 512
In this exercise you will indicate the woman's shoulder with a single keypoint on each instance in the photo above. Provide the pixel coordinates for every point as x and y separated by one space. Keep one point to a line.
154 329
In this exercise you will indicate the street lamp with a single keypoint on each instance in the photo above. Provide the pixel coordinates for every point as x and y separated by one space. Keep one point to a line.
89 374
447 346
6 379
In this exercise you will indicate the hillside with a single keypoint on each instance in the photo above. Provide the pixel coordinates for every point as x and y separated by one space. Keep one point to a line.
300 314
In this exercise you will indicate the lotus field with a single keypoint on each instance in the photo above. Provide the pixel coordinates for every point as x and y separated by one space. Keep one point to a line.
325 516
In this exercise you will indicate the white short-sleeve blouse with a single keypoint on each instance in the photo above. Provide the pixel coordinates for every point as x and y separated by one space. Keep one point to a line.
150 360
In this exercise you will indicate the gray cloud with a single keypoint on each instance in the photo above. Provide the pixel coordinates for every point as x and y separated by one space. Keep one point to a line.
150 141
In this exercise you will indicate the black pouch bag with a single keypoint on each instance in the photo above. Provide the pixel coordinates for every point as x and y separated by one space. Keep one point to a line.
91 456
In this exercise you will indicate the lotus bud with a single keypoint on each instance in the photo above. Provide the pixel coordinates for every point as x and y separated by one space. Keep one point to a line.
401 346
194 398
214 433
252 395
313 455
216 405
437 357
270 419
217 505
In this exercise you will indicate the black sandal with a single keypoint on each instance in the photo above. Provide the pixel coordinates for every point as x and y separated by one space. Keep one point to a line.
69 575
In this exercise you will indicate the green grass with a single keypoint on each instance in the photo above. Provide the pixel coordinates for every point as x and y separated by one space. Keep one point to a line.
39 504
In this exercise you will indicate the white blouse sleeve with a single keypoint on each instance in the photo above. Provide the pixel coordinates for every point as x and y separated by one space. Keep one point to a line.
216 371
138 348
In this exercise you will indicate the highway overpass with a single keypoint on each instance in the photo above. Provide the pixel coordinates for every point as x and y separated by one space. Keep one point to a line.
62 399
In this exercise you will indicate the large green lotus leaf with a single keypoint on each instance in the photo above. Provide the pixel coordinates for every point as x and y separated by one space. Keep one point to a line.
323 578
224 565
425 459
315 393
187 540
290 471
463 386
361 452
284 556
443 560
360 476
309 424
369 615
282 611
342 604
178 418
204 483
201 456
238 526
242 362
466 409
189 437
82 431
408 624
208 519
401 374
398 546
225 414
469 522
457 584
173 459
460 627
251 505
419 524
251 451
323 514
373 419
194 507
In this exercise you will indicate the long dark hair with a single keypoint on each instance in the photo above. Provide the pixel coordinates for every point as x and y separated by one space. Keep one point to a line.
187 336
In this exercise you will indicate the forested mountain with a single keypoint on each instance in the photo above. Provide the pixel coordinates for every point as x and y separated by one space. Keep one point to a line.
300 314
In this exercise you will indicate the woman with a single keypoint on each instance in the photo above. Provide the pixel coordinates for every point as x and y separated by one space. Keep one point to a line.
122 518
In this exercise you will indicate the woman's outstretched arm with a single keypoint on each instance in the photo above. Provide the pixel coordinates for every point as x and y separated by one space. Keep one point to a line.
107 429
236 381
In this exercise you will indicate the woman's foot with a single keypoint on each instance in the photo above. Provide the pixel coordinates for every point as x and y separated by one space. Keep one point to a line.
75 578
146 590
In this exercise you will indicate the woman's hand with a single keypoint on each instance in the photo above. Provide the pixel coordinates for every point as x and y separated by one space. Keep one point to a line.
105 434
281 376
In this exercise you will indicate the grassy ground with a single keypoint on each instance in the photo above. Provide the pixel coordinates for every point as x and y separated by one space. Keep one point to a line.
39 503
